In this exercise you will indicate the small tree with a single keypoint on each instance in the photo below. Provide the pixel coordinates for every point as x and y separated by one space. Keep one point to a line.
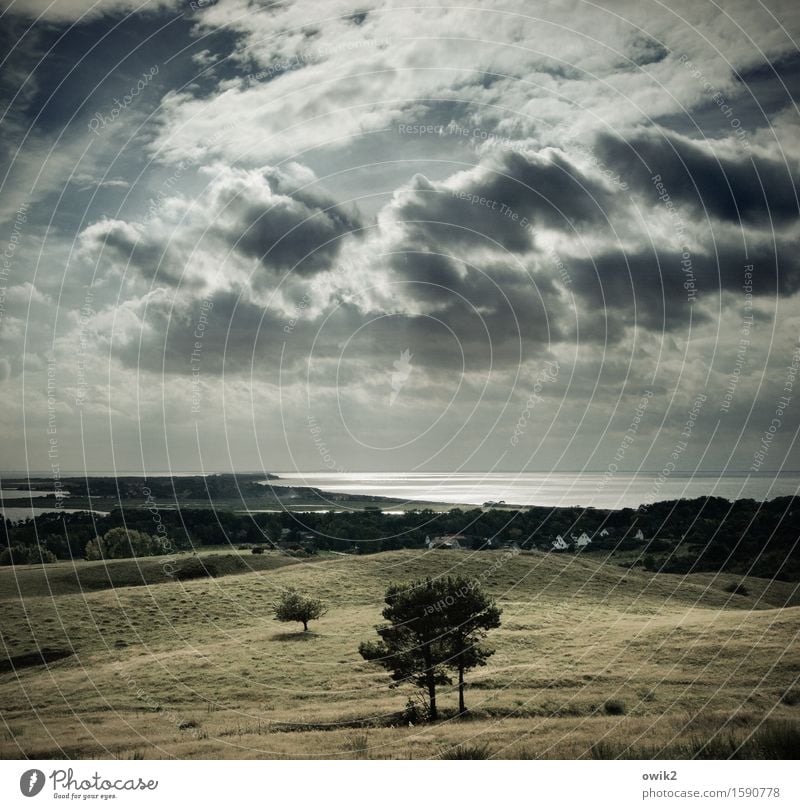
125 543
433 625
26 555
294 607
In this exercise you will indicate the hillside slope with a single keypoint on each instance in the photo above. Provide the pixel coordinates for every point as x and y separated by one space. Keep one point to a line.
207 655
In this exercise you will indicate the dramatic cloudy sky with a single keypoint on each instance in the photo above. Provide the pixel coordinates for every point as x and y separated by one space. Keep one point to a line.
386 236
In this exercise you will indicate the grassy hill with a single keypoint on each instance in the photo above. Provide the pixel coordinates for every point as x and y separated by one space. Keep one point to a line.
590 658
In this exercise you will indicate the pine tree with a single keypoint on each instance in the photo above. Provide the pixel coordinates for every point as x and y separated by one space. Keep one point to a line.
434 625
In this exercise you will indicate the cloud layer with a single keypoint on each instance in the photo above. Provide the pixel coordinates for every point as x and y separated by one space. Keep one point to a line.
305 197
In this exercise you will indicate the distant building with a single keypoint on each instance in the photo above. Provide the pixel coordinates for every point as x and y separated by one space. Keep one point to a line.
560 544
583 541
639 535
605 533
449 542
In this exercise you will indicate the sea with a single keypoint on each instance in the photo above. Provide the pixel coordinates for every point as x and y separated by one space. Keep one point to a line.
584 489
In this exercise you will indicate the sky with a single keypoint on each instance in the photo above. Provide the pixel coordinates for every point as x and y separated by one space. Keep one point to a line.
379 236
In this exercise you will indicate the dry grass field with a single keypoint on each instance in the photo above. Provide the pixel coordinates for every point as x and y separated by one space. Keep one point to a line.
591 660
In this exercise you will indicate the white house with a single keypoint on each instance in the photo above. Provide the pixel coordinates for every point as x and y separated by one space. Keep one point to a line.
446 542
583 540
559 544
604 533
639 535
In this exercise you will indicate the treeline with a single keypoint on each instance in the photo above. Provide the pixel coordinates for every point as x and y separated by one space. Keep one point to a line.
163 488
703 534
713 534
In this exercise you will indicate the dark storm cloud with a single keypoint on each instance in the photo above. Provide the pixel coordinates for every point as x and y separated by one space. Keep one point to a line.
774 85
549 191
645 289
501 201
295 229
759 94
487 319
498 335
656 289
79 70
497 310
151 258
432 276
748 188
645 50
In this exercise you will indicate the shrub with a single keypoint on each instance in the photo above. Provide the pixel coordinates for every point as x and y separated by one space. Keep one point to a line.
614 707
358 745
123 543
26 555
293 607
737 588
775 740
195 568
467 751
791 697
416 710
606 750
257 550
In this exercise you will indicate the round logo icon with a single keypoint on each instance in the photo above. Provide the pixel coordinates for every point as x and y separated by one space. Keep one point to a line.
31 783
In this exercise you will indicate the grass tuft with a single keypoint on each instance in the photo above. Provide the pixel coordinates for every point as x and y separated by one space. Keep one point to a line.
614 707
466 751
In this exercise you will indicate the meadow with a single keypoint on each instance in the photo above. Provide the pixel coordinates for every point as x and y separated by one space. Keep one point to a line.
592 660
